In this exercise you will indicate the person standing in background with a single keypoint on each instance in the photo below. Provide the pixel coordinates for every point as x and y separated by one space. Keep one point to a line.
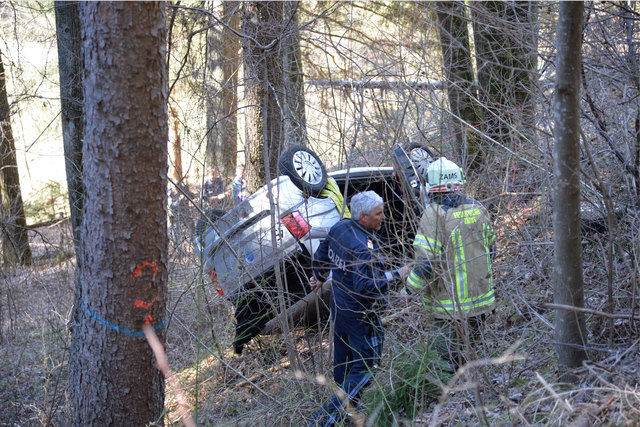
213 188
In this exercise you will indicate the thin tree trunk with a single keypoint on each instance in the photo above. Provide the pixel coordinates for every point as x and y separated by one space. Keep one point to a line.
570 328
211 84
113 378
70 68
71 99
229 93
633 59
13 224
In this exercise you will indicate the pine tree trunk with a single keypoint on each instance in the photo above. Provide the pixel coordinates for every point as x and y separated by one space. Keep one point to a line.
229 92
264 94
70 68
71 99
13 224
461 90
506 48
264 81
221 85
212 86
295 120
113 378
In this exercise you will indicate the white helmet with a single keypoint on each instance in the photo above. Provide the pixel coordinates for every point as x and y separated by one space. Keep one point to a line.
443 175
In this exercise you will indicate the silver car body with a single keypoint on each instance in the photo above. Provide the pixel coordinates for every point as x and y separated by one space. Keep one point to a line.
249 240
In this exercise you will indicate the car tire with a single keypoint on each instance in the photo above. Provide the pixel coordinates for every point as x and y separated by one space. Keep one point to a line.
305 169
421 157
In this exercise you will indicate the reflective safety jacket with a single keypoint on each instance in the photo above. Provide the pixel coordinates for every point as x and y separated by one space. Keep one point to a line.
359 284
453 258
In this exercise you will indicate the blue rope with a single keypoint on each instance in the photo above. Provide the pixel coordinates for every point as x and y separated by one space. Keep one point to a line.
137 334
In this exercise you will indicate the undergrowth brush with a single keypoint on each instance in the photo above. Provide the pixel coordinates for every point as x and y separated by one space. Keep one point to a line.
511 381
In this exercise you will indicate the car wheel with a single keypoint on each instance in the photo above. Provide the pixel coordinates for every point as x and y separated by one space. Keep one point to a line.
305 169
421 157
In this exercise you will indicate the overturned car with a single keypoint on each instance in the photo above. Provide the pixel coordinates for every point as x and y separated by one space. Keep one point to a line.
258 255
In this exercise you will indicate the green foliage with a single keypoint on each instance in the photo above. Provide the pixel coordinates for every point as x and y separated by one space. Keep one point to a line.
52 203
416 377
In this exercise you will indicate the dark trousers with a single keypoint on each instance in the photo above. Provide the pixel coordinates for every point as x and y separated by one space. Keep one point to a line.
355 357
449 338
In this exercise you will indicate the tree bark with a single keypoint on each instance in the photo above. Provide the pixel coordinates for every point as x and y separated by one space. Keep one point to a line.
230 69
461 90
265 96
264 89
113 379
13 224
570 328
223 65
506 50
70 68
295 122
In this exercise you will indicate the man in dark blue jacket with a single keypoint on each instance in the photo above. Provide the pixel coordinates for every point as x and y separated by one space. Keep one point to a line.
359 288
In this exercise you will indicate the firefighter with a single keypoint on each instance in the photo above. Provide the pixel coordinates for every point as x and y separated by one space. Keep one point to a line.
358 292
453 253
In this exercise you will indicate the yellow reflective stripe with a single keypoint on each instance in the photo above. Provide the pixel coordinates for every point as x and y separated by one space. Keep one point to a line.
428 243
466 305
416 281
487 236
466 213
420 240
460 264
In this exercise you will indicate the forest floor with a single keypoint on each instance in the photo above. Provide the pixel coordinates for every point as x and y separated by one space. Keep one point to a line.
514 381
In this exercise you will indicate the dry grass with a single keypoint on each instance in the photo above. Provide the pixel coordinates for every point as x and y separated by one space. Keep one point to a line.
512 383
34 307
